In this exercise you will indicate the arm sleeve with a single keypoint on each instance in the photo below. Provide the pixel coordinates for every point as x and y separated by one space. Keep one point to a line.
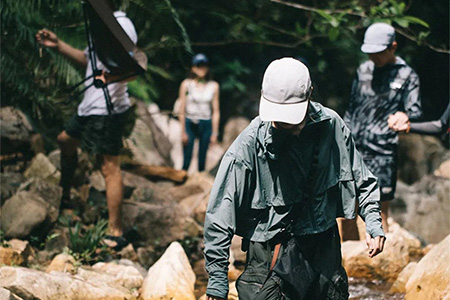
431 127
367 191
220 222
411 98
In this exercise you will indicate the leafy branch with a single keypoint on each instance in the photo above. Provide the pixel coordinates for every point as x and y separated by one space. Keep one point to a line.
387 11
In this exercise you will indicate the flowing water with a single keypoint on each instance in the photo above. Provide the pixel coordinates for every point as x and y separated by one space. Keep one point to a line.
371 290
358 289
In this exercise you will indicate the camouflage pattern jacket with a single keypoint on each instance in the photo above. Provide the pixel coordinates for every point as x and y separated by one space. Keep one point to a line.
377 93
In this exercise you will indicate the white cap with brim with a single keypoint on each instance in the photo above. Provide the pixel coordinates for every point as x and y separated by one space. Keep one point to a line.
378 37
285 92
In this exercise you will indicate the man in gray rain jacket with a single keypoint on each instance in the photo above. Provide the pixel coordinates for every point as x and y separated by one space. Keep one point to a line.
269 172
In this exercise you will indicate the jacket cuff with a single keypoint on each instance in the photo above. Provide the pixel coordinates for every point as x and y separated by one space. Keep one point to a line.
218 284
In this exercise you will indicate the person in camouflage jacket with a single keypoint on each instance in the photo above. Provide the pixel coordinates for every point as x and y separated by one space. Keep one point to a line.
383 85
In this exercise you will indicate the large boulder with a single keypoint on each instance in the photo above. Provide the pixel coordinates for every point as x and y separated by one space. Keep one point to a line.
59 286
23 213
431 276
171 277
423 208
400 248
399 285
9 183
141 143
171 128
419 155
41 167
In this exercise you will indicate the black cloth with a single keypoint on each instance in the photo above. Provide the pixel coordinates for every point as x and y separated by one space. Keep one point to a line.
323 252
99 134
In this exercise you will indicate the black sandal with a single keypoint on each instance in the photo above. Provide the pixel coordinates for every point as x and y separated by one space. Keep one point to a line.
121 241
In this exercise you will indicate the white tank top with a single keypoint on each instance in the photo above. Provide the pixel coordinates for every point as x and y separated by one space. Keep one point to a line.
199 100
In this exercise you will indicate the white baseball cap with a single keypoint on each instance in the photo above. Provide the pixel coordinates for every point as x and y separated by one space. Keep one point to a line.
286 89
378 37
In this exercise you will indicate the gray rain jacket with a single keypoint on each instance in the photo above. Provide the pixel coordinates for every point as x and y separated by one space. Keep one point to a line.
265 171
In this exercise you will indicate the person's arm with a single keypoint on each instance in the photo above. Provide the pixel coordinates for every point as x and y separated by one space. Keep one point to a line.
411 98
230 185
368 195
182 111
400 122
49 39
215 115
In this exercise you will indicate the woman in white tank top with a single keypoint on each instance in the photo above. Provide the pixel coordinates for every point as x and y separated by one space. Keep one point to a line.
199 111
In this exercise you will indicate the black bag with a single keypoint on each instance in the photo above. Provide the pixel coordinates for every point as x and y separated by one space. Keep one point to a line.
294 269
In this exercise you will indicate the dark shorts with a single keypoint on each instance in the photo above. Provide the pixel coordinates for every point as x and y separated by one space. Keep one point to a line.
385 169
99 134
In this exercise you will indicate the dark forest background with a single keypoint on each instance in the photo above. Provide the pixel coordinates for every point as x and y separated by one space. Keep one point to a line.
240 37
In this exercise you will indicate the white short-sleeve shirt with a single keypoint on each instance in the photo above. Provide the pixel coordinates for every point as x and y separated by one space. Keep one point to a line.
94 102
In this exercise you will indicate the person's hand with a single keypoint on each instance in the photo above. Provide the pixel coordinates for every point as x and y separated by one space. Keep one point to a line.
184 138
375 244
399 121
47 38
213 139
213 298
104 77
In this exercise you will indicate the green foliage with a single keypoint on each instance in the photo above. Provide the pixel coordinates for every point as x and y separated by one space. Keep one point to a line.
85 241
240 37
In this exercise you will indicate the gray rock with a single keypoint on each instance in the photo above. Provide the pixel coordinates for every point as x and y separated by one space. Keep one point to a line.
9 183
16 131
48 191
424 208
125 275
419 155
83 167
58 241
232 129
129 263
97 181
59 286
22 214
142 145
147 221
41 167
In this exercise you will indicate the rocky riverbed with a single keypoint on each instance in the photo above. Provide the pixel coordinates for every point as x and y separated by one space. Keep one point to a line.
50 253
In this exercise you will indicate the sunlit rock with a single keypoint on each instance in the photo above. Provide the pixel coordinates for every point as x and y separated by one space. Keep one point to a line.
400 248
431 276
171 277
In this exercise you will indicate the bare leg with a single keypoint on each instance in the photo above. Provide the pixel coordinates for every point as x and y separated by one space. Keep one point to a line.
69 161
114 193
385 215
